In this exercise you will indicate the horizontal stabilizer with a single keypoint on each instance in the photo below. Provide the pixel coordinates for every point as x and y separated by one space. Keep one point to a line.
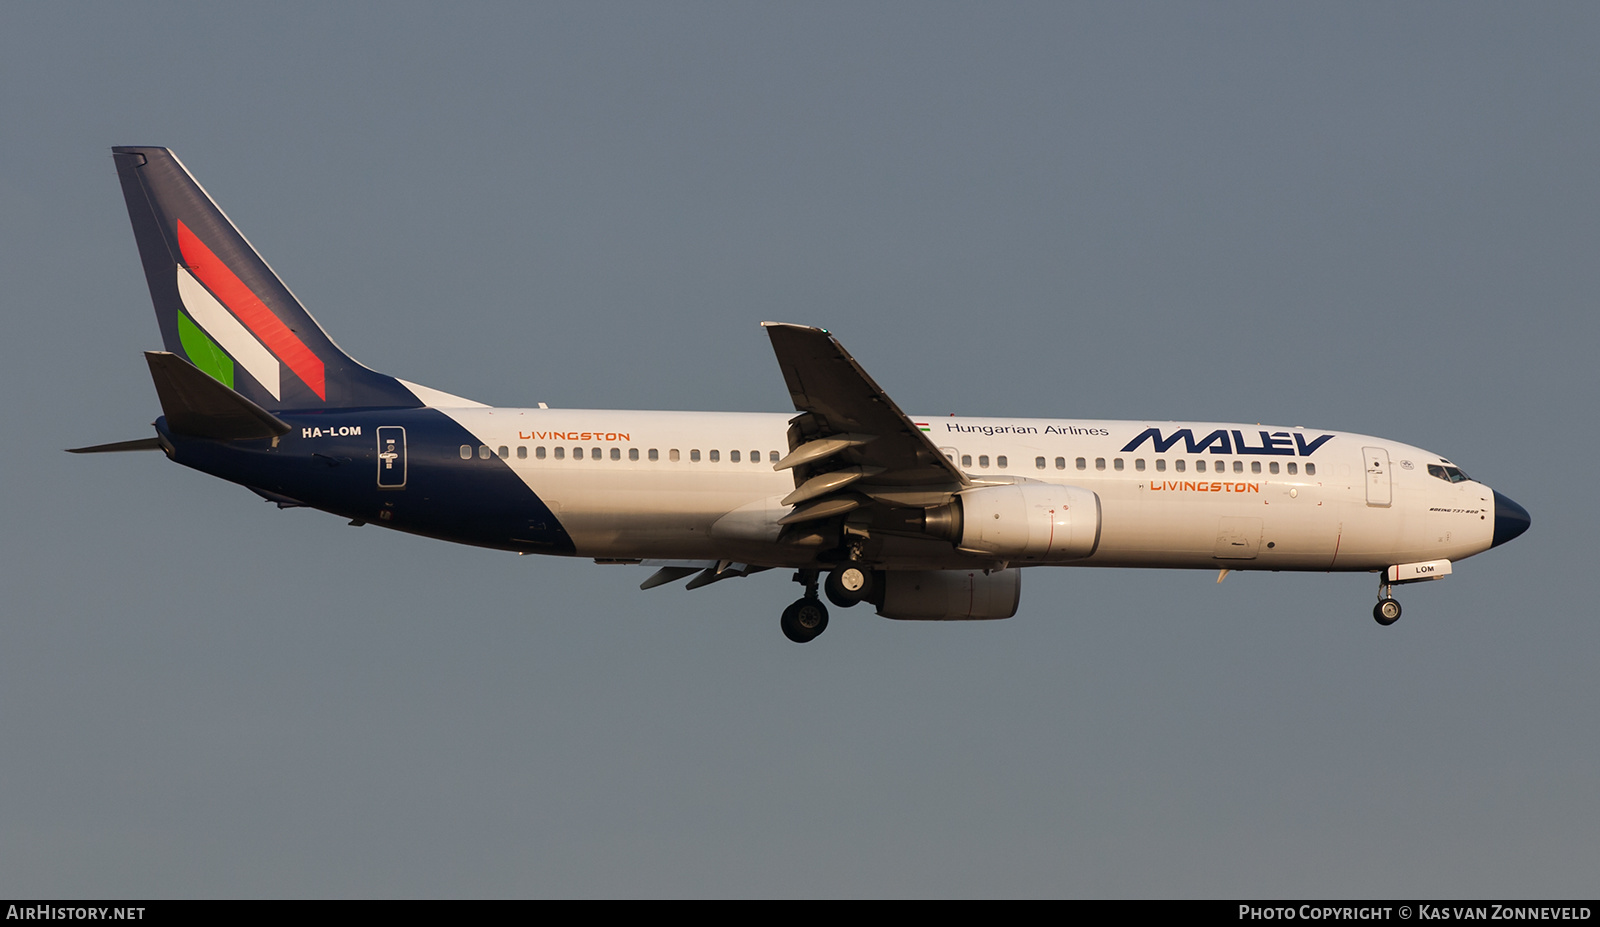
278 499
138 444
199 406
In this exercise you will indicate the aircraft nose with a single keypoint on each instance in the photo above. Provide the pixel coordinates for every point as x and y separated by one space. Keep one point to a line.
1510 520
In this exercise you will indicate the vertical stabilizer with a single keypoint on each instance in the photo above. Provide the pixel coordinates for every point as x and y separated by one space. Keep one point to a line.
224 310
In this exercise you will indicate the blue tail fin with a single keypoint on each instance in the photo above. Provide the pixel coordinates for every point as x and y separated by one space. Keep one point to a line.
223 309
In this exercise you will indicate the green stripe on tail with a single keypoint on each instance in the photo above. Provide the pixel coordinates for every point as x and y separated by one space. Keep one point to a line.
203 352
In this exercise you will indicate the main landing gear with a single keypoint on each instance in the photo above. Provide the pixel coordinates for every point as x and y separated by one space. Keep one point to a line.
807 617
1387 611
847 584
850 583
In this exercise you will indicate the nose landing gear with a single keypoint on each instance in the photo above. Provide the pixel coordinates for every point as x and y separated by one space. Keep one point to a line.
1387 611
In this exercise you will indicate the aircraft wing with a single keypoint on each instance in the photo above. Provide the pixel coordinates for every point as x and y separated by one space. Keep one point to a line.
851 444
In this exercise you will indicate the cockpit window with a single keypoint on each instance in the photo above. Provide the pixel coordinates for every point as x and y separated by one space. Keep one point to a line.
1447 473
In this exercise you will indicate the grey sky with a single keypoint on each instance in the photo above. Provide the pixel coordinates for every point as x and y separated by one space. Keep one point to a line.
1381 218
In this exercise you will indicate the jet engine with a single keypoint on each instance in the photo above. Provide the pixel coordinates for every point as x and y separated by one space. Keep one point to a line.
950 595
1028 522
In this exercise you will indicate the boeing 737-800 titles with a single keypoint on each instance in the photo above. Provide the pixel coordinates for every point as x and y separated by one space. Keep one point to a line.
927 518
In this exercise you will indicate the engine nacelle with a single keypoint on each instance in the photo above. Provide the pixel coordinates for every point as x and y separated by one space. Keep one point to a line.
1030 522
950 595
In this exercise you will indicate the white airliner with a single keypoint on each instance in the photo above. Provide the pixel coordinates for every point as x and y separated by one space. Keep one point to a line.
925 517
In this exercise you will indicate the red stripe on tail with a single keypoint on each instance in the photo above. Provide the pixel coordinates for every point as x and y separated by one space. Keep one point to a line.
233 293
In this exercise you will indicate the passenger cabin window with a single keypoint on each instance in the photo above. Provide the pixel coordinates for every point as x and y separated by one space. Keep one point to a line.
616 454
773 457
1138 464
1099 463
755 457
966 460
1272 467
1178 465
1200 466
577 453
483 452
539 452
1311 469
1255 466
1293 469
505 452
694 455
1161 465
1238 466
1116 464
983 460
466 452
672 455
1082 464
654 454
1038 463
522 452
716 456
1000 461
1061 463
561 453
594 453
733 457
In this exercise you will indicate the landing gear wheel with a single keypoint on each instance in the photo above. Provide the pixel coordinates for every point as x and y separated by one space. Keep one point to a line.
1386 612
848 585
804 620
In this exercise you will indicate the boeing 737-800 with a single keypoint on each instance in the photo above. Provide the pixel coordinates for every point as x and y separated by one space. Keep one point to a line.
926 518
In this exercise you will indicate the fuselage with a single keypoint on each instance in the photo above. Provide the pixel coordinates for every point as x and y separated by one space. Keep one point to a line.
621 485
